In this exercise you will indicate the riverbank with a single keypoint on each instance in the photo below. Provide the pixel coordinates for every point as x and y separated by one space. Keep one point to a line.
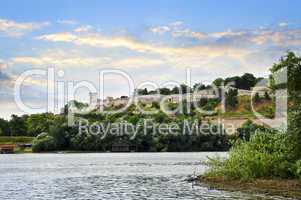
273 187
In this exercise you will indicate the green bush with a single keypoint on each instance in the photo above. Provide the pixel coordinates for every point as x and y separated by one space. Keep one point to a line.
257 98
248 128
297 169
231 99
265 155
43 142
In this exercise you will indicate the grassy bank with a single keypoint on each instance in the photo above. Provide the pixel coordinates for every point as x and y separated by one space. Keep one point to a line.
267 163
274 187
15 140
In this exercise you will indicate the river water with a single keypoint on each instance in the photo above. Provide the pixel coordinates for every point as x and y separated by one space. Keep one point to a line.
107 176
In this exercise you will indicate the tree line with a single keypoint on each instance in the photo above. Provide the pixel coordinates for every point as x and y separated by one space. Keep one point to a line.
246 82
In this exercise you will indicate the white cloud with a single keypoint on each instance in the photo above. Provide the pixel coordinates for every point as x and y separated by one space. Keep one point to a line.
228 33
188 34
225 52
160 29
58 37
85 28
60 61
283 24
176 29
68 22
137 62
14 29
101 41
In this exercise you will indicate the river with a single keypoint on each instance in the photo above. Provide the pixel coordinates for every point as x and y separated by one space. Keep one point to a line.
107 176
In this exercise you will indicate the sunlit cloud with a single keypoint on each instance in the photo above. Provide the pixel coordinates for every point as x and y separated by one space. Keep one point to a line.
15 29
60 61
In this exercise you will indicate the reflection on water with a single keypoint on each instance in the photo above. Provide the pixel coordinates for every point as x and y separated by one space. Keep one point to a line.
107 176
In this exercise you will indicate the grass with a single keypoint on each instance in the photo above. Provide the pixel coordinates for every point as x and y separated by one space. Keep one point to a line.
15 140
269 162
275 187
244 109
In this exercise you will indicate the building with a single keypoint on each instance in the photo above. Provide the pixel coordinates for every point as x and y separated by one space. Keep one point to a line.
209 93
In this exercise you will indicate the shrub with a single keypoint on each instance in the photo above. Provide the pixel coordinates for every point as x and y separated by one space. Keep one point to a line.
266 155
267 96
245 131
297 169
231 98
257 98
43 142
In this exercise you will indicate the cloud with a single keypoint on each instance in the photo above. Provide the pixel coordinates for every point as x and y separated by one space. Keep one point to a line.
60 61
14 29
67 22
137 62
70 59
228 33
58 37
3 65
283 24
176 29
221 53
101 41
85 28
160 29
249 37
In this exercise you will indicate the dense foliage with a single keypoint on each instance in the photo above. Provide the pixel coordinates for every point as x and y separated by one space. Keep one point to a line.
269 153
63 137
246 81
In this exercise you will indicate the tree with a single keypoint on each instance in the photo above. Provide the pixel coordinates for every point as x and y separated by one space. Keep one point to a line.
165 91
290 67
218 82
4 127
256 98
38 123
142 91
198 86
185 89
231 98
18 125
267 96
175 90
247 81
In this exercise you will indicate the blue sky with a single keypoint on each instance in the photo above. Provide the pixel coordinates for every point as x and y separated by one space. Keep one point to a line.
151 40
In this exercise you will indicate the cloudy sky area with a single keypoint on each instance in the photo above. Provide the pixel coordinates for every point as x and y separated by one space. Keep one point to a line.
150 40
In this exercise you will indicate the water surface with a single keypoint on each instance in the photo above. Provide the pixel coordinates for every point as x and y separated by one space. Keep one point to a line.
107 176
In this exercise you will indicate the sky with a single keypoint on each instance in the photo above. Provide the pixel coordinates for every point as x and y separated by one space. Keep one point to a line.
149 40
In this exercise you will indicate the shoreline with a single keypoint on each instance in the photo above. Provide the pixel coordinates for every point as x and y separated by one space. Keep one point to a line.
105 152
289 188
